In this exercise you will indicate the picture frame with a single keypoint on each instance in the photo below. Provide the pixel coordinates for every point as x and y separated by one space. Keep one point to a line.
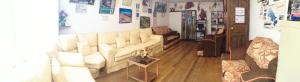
125 15
144 22
107 6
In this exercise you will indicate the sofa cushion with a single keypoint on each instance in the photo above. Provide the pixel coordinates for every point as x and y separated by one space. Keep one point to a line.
263 50
77 74
107 38
125 35
232 70
135 37
124 53
68 42
121 42
94 60
145 37
84 48
70 59
91 38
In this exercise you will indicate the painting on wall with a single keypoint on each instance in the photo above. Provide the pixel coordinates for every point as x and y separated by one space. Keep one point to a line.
107 6
146 5
64 26
125 15
272 12
144 22
126 3
90 2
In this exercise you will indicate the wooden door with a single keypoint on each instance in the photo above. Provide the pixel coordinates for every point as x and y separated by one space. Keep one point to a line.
237 32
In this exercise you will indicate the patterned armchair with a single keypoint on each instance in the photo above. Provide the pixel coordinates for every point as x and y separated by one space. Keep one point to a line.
259 65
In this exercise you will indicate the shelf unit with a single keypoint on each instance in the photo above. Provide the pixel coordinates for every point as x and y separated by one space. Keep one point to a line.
217 20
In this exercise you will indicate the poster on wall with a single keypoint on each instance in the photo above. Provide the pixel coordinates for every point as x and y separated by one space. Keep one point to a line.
90 2
239 15
272 12
144 22
64 26
126 3
107 6
146 5
125 15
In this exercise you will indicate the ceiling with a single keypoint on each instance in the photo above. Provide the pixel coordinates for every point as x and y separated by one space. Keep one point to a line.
174 1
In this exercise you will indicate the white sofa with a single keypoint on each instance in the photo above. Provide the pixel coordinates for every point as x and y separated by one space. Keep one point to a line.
68 67
115 47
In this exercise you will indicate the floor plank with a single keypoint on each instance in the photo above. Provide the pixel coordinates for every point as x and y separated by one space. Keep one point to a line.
179 63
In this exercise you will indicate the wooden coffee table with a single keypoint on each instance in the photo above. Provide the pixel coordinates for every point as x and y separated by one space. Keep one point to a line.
143 75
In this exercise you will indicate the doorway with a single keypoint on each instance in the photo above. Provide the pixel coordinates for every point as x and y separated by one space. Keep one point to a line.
188 26
237 27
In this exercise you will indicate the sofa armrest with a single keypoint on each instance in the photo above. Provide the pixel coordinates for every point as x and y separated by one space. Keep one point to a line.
70 59
108 52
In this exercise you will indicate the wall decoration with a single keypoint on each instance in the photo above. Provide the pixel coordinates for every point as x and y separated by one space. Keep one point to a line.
81 8
90 2
294 10
125 15
146 5
126 3
149 11
63 19
146 2
161 7
272 12
189 5
137 15
137 8
64 26
144 22
107 6
202 15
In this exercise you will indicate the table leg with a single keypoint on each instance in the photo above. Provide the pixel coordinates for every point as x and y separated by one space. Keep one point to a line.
157 71
146 75
127 69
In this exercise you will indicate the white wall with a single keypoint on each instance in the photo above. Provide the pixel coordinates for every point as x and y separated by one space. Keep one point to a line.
27 26
92 21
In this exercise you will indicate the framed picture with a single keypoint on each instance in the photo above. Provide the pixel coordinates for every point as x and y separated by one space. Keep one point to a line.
90 2
125 15
107 6
126 3
144 22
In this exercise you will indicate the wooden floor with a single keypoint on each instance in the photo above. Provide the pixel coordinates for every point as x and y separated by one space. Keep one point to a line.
179 63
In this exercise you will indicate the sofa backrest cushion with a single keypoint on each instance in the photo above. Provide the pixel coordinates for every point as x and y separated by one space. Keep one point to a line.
263 50
68 42
160 30
91 38
84 48
145 34
134 37
121 42
107 38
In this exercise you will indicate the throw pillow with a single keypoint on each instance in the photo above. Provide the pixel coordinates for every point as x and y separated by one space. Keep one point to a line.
84 48
145 37
121 42
68 42
135 37
263 50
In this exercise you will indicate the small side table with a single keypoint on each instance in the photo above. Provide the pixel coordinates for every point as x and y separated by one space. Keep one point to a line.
143 75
